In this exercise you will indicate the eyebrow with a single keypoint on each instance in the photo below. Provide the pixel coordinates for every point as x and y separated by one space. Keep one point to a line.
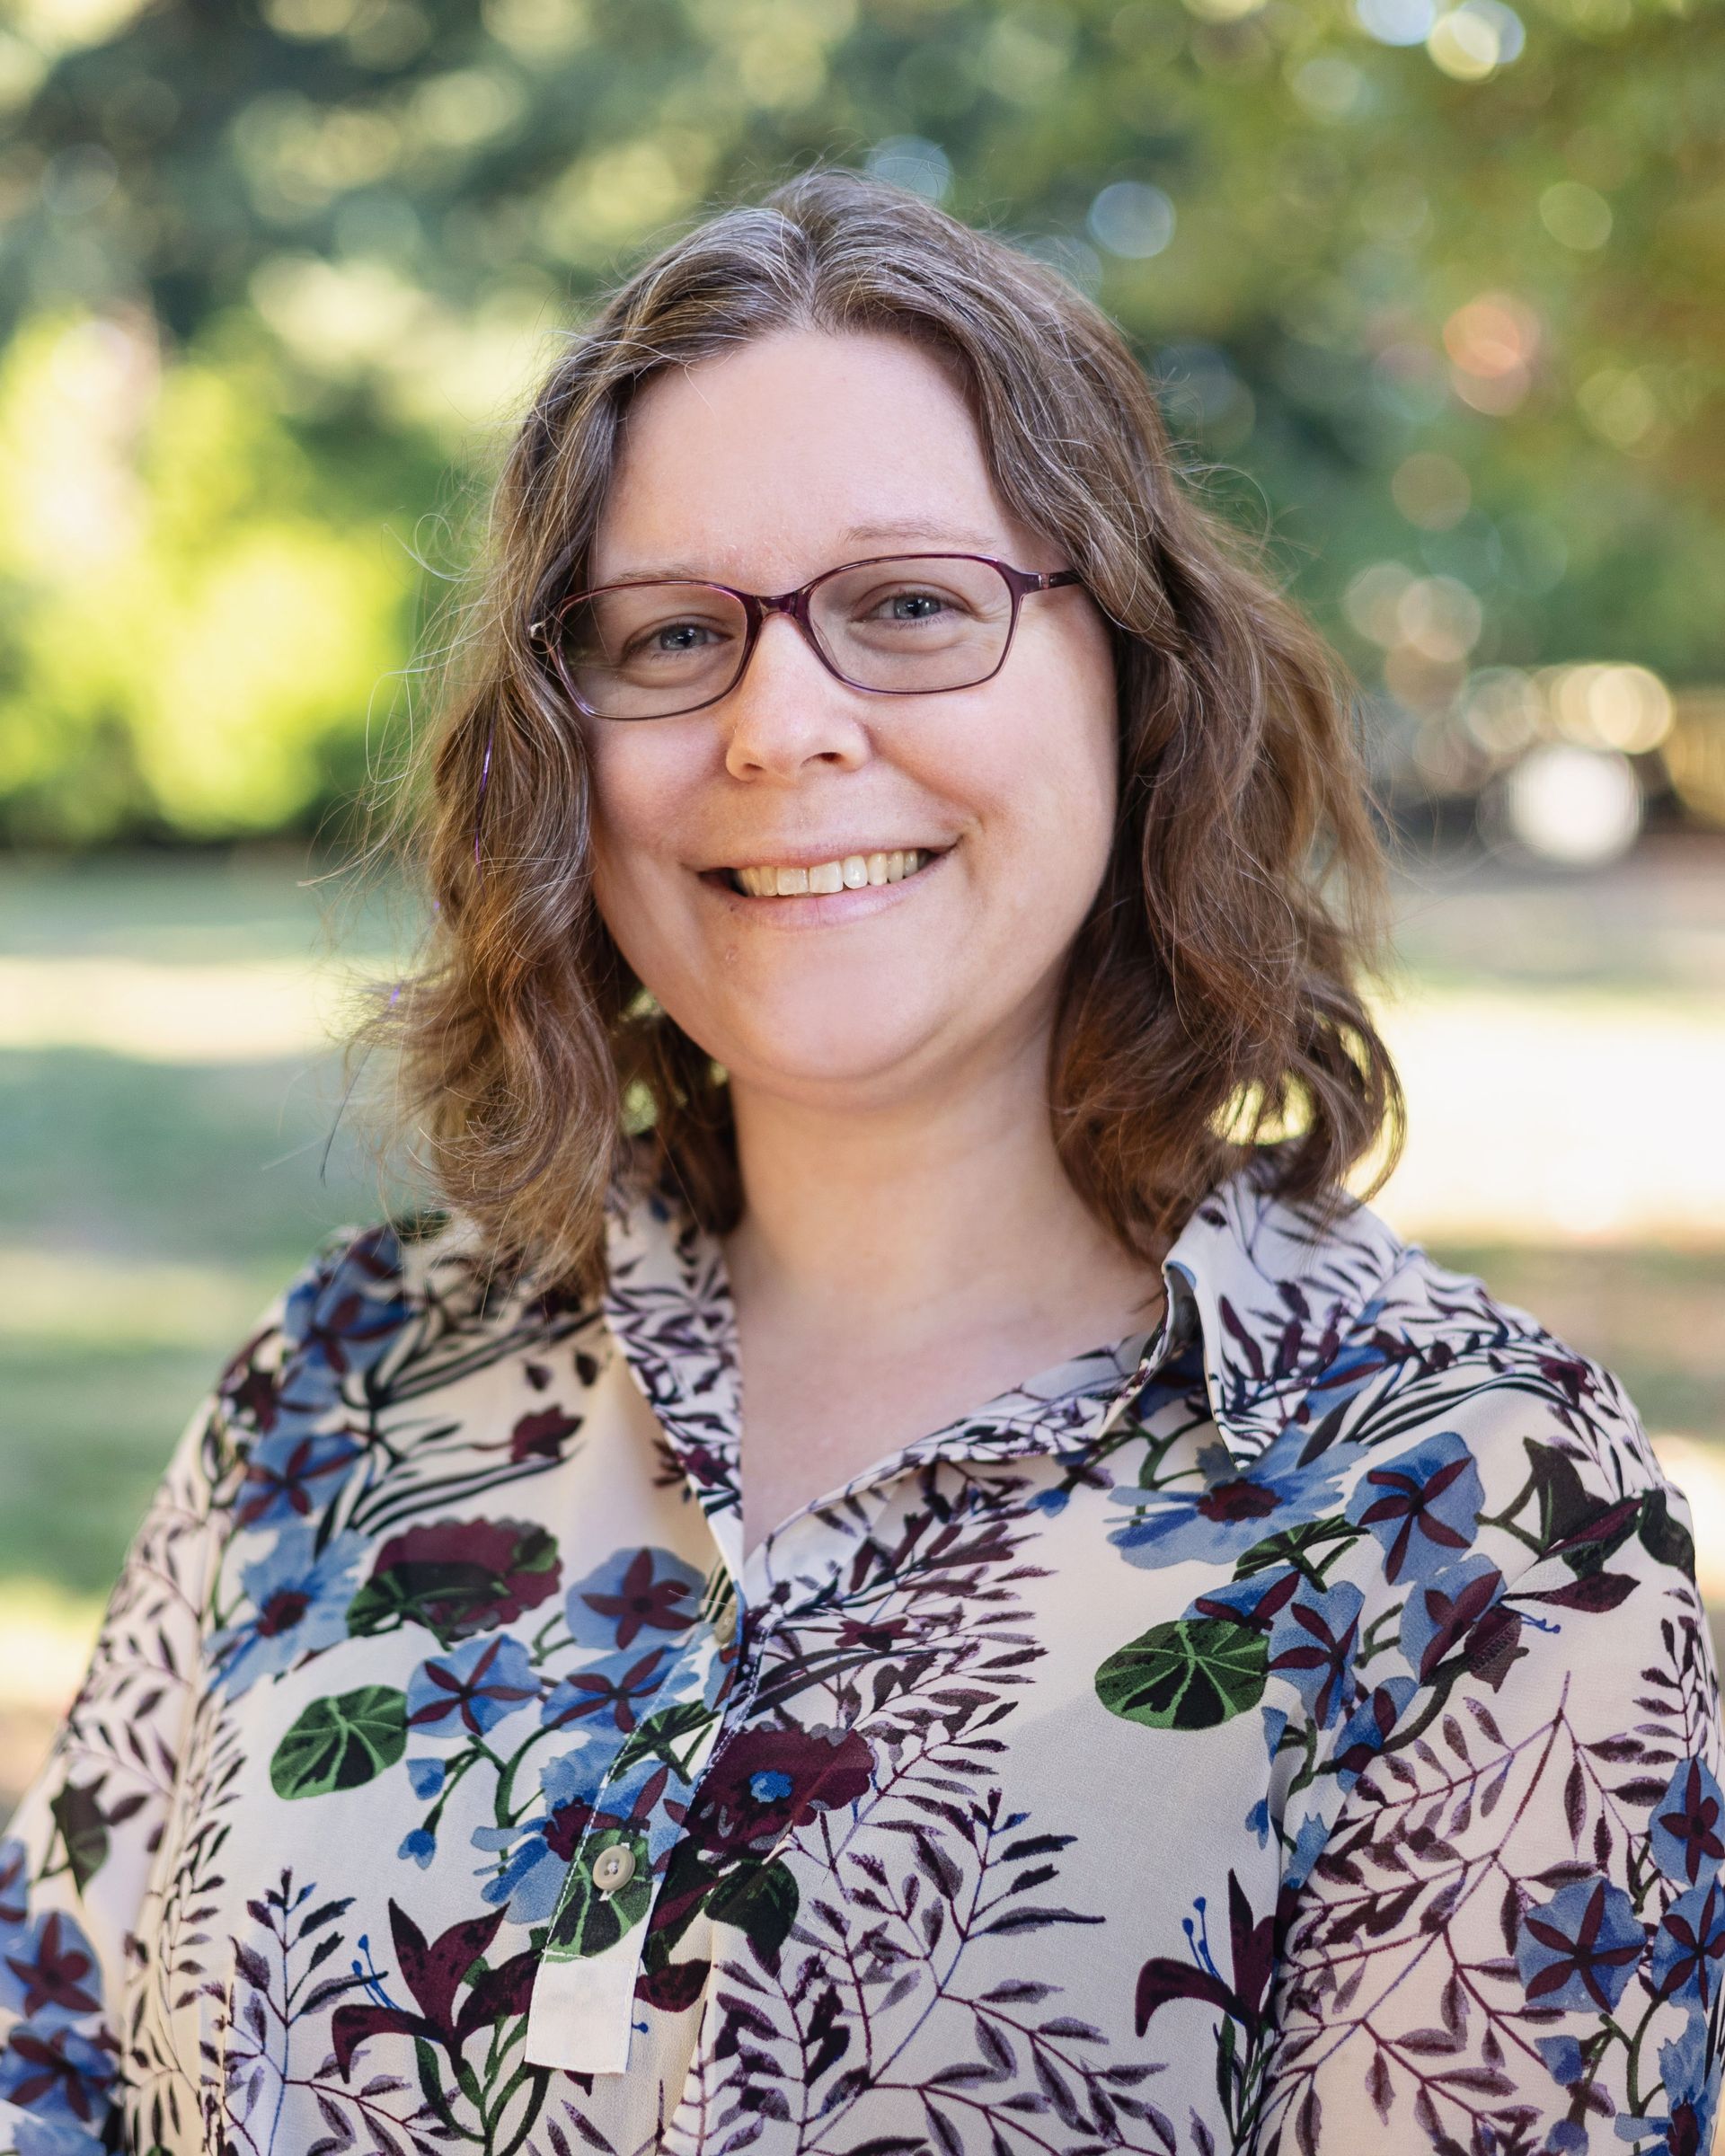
950 538
919 527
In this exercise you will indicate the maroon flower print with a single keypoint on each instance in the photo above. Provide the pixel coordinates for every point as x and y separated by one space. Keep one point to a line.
543 1434
458 1578
1240 1499
433 1974
766 1782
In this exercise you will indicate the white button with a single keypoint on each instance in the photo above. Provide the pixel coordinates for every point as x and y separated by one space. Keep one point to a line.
614 1868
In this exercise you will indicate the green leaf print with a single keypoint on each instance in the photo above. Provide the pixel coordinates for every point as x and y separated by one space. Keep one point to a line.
1189 1674
340 1743
1666 1539
657 1738
762 1902
78 1816
589 1921
1294 1546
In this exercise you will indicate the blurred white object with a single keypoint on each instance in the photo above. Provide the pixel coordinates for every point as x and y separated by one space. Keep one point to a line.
1580 806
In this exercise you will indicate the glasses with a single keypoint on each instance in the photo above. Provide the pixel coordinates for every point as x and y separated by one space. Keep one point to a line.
896 626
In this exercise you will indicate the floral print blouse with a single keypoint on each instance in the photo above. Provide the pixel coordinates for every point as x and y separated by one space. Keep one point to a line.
1293 1728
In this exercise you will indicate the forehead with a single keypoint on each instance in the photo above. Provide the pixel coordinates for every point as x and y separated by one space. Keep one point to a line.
775 460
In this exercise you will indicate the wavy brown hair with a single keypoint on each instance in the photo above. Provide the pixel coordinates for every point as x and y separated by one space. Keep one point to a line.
1210 1008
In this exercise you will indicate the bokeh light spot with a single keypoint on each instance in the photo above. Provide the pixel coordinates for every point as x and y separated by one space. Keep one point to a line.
1431 491
913 163
1131 218
1396 21
1575 216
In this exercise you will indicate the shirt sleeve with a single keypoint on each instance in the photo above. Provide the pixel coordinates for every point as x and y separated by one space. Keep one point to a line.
1512 1938
77 1857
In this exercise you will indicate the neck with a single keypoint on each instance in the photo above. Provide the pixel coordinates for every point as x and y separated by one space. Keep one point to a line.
899 1224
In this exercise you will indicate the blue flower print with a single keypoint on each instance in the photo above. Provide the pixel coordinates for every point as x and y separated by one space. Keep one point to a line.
49 1971
345 1317
1423 1505
426 1776
1304 1849
1439 1611
1562 2056
299 1605
633 1589
291 1474
1232 1511
535 1856
420 1844
1313 1644
1580 1949
1367 1729
609 1692
469 1691
532 1878
50 2137
56 2072
1691 2093
1685 1829
1689 1946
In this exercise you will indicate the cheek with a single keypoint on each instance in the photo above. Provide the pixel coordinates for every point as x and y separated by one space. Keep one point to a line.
622 776
636 790
1052 777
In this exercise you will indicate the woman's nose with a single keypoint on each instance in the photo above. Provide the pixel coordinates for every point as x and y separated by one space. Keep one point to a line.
788 710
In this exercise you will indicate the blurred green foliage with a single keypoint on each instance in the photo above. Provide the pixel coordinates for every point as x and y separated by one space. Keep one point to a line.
1440 286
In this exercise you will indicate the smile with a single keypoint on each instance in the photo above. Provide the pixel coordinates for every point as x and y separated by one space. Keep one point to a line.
850 872
822 895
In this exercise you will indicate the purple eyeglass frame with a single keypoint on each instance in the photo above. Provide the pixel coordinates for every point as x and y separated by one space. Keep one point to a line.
757 605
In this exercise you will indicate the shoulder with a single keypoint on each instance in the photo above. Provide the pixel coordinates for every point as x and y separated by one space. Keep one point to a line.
1456 1353
1334 1333
408 1293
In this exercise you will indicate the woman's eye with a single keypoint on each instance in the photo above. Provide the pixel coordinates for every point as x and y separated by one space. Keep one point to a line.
671 638
912 607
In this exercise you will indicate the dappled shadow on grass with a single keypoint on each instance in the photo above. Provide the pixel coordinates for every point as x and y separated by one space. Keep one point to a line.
216 1163
88 1435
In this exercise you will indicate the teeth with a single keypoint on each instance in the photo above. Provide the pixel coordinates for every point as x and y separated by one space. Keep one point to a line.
850 874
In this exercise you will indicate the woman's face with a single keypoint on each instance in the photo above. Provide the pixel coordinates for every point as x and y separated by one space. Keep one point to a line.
759 469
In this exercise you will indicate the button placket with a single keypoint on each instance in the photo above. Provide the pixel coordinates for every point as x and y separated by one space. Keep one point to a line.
582 2005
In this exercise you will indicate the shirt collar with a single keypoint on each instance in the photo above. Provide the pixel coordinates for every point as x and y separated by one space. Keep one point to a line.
1280 1303
1274 1300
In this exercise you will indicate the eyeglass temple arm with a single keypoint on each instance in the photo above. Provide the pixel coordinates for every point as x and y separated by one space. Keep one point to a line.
1024 581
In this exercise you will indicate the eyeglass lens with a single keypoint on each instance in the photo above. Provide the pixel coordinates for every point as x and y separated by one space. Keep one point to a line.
913 624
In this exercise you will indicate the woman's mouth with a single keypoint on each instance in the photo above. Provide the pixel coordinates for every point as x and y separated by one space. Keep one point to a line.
849 872
847 888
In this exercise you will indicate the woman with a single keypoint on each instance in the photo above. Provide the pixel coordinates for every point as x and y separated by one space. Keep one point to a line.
953 1592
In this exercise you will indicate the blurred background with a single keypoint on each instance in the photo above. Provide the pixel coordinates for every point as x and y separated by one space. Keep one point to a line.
1435 297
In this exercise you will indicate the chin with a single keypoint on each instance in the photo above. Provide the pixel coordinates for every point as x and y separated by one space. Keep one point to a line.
816 1056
